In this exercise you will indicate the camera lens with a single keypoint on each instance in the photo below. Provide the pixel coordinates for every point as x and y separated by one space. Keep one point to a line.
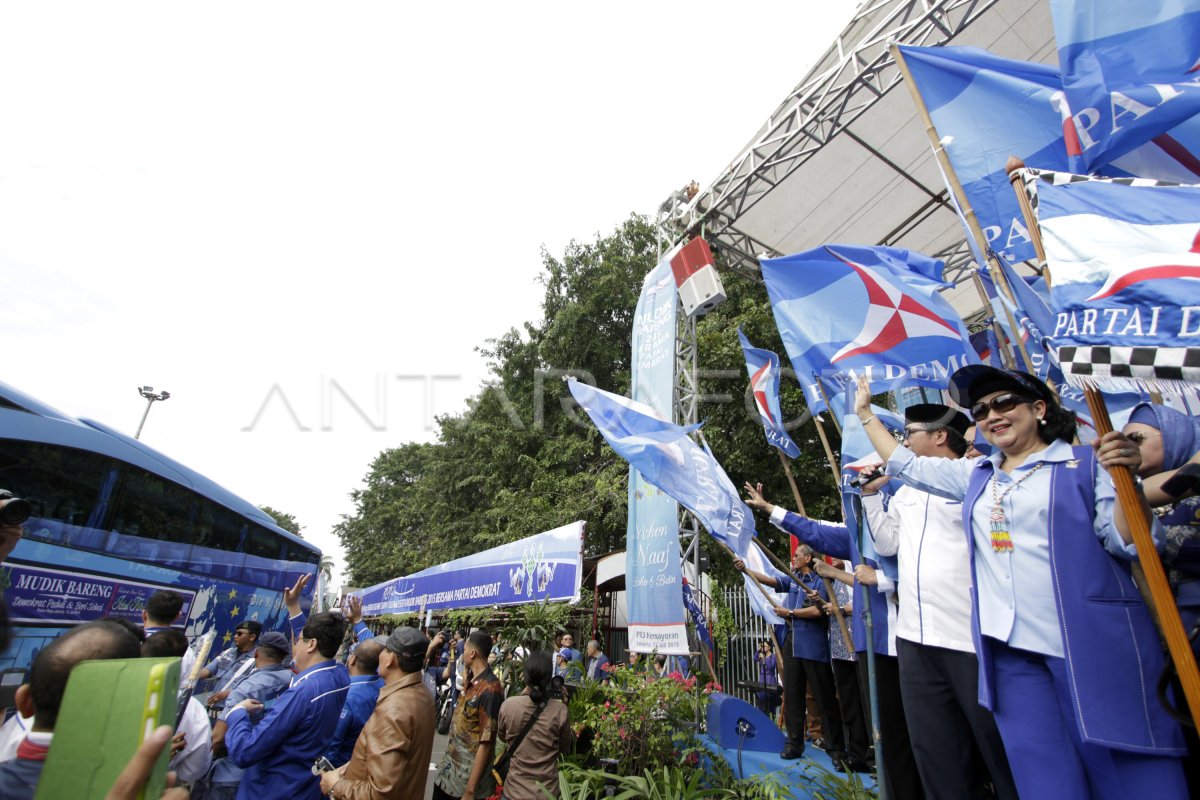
15 511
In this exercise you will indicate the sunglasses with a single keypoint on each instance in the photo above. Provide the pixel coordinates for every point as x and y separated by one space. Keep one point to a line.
999 404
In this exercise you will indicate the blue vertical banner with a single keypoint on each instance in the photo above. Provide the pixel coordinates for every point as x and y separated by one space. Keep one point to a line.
652 569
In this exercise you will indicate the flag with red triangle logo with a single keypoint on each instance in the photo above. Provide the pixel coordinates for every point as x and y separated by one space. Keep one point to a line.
763 367
846 310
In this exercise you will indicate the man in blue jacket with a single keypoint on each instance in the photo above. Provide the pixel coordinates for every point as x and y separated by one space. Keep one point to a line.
805 655
278 753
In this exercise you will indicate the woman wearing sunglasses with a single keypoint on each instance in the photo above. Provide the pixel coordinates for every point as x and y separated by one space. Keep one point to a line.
1068 653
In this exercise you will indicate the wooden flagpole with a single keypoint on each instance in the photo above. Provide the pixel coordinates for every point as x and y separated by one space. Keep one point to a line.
960 195
837 608
833 466
1161 601
1001 339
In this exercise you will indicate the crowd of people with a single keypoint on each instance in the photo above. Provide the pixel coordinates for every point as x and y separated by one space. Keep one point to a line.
300 714
1014 654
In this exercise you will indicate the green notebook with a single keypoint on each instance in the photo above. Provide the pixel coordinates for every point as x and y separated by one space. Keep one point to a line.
108 710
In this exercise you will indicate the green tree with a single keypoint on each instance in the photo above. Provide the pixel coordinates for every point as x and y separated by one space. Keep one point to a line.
522 459
285 521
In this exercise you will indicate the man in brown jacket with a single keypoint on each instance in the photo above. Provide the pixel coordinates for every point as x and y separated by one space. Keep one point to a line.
391 757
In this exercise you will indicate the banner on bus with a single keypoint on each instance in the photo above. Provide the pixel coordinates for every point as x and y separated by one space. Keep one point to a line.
41 595
546 566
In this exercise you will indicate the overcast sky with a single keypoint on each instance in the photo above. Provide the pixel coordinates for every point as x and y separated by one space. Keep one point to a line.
247 203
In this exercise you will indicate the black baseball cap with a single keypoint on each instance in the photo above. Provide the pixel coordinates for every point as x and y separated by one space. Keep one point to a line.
404 641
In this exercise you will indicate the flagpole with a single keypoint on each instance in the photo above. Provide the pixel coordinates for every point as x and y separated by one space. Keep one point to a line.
869 639
837 608
776 645
1161 601
964 206
1001 339
836 424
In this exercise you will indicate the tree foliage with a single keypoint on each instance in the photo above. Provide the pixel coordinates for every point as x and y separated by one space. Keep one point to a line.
285 521
523 459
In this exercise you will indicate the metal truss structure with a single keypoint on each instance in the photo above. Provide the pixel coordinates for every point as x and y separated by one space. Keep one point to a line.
856 72
845 137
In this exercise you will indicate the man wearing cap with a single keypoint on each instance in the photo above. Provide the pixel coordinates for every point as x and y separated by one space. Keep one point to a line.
939 673
391 757
234 662
279 752
365 683
267 681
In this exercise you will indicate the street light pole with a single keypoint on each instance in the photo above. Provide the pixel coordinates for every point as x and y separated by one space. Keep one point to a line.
148 393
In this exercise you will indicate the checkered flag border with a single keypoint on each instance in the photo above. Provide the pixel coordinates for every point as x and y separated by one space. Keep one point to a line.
1121 369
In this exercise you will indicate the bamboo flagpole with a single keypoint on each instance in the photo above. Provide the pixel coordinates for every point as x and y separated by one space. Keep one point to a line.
776 645
1161 601
966 212
837 609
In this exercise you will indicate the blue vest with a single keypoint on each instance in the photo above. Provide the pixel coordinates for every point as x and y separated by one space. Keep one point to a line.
1112 650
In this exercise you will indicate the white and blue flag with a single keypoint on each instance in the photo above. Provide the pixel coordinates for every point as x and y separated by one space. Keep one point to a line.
986 108
1124 261
1130 70
763 368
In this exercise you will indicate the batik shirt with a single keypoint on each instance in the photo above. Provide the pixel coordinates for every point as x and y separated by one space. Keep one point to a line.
474 724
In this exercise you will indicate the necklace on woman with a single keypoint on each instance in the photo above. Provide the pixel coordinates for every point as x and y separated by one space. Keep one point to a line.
1001 540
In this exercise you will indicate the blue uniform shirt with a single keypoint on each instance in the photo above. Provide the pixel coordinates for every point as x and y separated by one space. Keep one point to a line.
264 685
810 637
360 703
278 752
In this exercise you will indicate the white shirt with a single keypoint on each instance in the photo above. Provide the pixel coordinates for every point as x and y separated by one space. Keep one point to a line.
193 761
925 533
12 733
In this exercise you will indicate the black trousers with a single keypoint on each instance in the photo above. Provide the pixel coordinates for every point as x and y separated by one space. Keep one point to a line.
899 768
941 696
798 673
854 710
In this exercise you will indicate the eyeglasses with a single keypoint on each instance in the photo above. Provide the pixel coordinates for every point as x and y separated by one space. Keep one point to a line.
910 430
999 404
1140 436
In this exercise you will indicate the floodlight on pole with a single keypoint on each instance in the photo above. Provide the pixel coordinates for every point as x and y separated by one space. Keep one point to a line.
148 393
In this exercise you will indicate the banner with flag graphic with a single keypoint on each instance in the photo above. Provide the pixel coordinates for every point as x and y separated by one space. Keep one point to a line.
987 346
987 108
846 310
1130 70
763 367
1124 261
652 527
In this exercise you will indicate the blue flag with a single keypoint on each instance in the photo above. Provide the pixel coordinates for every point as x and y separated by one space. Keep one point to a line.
668 459
1124 262
987 346
763 367
845 310
987 108
1034 317
1131 71
689 602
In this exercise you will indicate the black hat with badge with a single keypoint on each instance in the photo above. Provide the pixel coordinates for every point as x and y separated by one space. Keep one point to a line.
974 381
936 415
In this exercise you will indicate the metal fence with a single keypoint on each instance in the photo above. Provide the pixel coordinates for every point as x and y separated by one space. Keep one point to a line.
740 664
